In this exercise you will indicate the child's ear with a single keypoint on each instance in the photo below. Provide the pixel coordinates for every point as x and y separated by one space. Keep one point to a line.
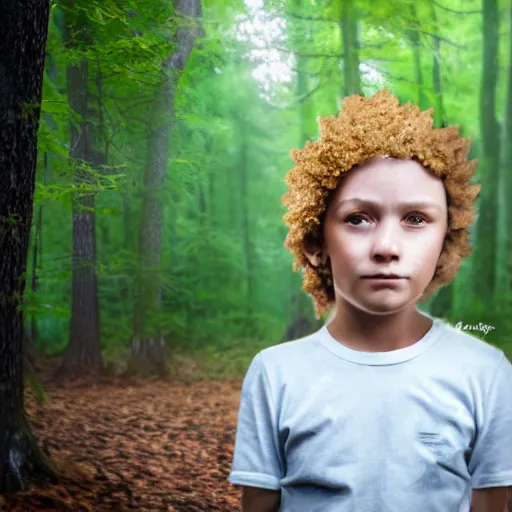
314 250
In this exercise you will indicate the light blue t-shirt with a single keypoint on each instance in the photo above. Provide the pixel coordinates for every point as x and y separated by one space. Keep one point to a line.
410 430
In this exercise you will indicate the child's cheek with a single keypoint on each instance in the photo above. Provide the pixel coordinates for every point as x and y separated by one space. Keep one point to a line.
424 256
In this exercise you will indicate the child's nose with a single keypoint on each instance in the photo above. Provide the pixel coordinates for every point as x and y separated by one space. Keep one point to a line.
386 246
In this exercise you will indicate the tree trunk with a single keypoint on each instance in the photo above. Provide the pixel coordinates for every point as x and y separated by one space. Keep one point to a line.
83 354
148 352
22 44
348 24
484 258
436 72
415 39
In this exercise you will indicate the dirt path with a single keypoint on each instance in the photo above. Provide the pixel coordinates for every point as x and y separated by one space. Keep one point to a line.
137 446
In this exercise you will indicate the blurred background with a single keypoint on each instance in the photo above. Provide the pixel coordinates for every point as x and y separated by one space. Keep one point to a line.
164 140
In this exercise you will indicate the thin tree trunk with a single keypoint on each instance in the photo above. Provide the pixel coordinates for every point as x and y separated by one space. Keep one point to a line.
436 71
484 258
22 44
349 30
148 352
414 36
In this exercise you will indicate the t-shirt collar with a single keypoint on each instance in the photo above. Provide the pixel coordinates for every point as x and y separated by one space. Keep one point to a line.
382 358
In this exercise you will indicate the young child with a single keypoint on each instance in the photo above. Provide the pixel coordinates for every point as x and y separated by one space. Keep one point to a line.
384 409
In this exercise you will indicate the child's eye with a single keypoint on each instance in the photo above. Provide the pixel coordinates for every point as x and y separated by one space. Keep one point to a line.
357 219
417 220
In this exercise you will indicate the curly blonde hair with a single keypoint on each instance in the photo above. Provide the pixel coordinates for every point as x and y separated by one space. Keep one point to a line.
366 128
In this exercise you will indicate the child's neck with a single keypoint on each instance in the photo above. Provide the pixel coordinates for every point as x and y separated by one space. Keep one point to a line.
363 331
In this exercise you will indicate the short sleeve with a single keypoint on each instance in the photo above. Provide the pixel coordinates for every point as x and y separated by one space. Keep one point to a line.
256 461
491 461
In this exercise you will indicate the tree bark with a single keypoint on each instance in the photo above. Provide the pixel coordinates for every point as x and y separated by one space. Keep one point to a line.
484 258
22 53
148 352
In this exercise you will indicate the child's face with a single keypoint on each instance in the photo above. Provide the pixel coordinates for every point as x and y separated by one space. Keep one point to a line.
389 236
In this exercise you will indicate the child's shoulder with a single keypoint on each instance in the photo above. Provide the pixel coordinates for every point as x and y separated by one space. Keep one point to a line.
464 357
298 345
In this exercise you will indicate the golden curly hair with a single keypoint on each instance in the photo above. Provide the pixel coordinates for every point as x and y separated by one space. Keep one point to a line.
366 128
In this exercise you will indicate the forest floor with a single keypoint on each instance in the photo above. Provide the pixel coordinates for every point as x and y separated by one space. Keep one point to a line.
135 445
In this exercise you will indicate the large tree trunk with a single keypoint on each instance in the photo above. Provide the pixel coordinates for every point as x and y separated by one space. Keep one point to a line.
148 352
22 43
484 258
83 354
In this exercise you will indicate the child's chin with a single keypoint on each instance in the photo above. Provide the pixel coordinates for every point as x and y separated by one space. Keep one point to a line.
384 304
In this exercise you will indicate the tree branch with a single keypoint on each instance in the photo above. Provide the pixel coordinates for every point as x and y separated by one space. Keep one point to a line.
445 39
298 99
454 10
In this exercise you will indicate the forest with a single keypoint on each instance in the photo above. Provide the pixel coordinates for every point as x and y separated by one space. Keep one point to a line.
155 248
162 228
